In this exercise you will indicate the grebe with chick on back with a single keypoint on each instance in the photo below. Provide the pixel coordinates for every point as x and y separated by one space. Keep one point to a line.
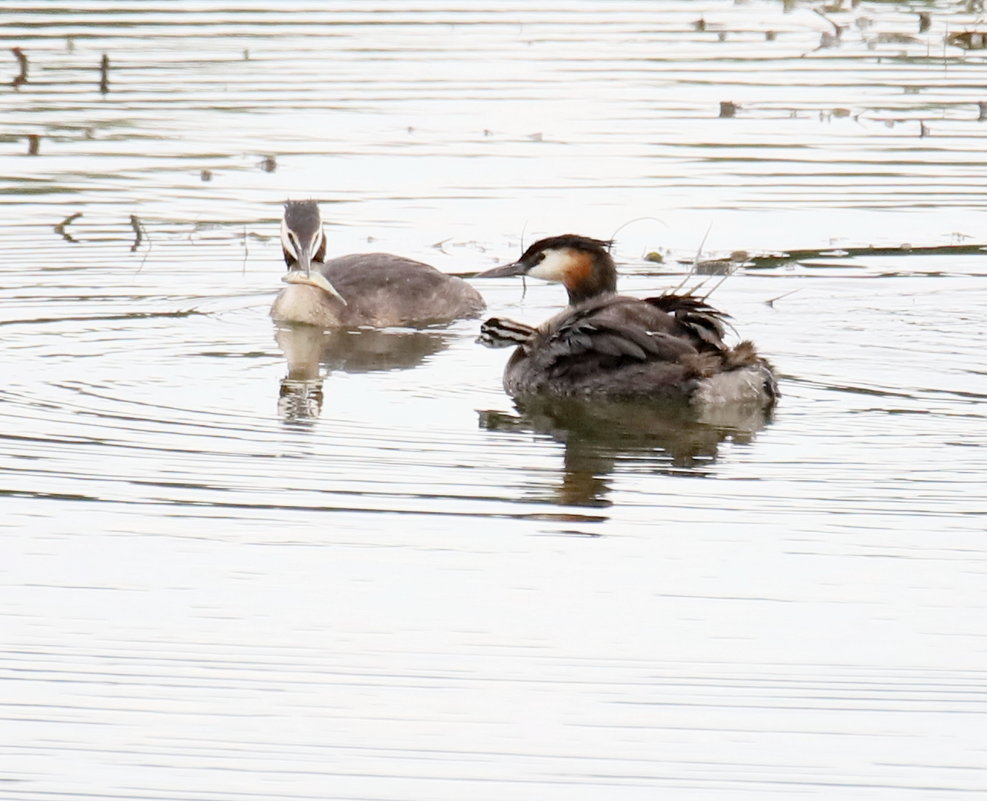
608 345
361 289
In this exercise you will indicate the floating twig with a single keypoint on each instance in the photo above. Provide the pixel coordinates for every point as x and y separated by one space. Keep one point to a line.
837 29
21 78
140 234
782 258
771 302
139 237
60 228
968 40
135 223
33 144
104 74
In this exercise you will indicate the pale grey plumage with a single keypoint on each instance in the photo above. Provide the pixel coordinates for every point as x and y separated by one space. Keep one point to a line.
361 289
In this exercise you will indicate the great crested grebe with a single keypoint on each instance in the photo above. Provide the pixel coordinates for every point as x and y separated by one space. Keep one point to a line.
362 289
604 344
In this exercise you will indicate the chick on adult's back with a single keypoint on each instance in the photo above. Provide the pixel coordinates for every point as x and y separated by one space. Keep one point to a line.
361 289
604 344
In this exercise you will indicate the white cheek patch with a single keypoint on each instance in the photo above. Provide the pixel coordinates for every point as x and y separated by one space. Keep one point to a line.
317 242
552 267
286 243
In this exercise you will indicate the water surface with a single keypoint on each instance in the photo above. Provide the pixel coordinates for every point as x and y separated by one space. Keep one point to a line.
238 563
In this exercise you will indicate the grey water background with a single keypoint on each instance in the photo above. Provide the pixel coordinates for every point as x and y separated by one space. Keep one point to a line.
212 587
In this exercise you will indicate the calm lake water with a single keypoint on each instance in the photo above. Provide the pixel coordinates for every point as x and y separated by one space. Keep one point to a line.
239 564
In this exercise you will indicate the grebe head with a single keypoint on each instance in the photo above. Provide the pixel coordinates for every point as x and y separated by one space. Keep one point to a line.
582 264
303 241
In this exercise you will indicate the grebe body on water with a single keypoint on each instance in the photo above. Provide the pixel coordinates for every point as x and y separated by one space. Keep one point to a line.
608 345
361 289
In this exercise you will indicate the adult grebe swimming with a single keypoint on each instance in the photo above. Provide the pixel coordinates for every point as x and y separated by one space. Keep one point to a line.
362 289
604 344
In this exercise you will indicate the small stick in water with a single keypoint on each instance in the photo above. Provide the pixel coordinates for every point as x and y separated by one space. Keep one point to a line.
21 78
33 144
135 223
60 228
104 74
771 302
139 236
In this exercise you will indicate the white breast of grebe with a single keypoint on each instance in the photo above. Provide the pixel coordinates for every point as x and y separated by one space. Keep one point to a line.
744 385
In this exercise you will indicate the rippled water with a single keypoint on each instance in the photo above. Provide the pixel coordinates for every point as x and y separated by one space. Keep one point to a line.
236 564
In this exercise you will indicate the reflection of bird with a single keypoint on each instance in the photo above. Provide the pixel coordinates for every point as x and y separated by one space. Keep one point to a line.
604 344
609 436
362 289
309 352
